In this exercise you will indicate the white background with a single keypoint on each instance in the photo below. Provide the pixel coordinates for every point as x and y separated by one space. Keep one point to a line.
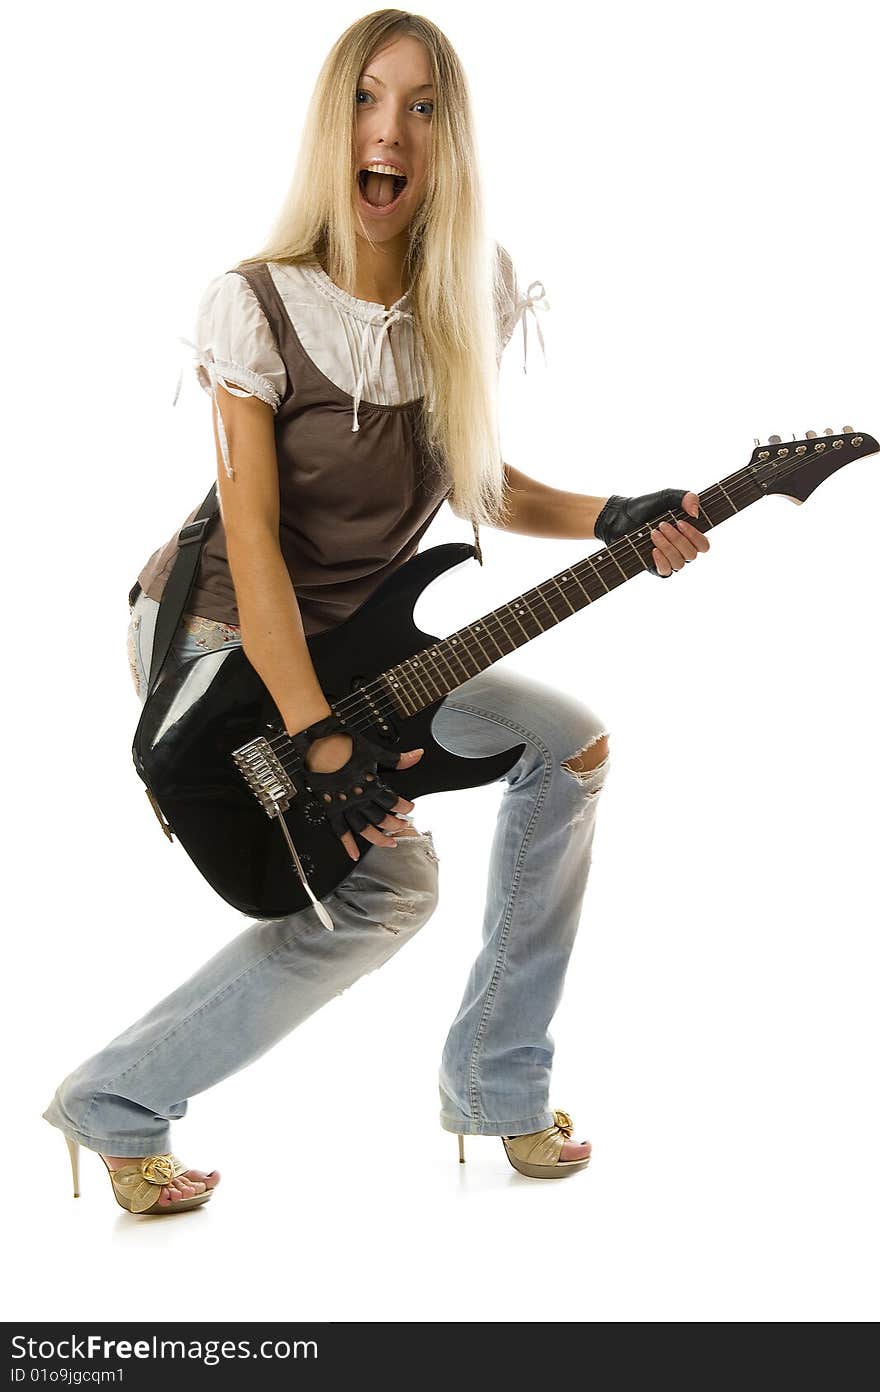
696 186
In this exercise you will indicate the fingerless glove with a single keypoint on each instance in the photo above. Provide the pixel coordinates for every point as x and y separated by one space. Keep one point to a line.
621 515
344 808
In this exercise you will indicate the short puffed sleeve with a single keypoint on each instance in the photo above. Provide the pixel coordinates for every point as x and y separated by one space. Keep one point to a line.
513 305
235 347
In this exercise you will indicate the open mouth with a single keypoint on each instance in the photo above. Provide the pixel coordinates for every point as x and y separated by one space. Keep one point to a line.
381 191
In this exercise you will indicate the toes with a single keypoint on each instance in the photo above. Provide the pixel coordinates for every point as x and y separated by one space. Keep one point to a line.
188 1184
174 1192
572 1150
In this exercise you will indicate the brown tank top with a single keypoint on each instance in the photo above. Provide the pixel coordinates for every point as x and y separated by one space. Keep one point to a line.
353 504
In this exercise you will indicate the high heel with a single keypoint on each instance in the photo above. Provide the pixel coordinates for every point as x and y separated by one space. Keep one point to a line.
138 1187
73 1148
537 1154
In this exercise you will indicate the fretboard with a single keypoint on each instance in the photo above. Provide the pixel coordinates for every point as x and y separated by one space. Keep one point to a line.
437 670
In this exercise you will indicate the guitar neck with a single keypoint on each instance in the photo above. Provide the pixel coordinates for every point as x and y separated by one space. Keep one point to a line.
437 670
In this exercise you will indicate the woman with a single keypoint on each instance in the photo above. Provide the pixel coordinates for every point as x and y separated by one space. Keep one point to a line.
353 366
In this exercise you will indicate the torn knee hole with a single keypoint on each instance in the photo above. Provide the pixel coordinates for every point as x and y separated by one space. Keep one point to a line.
587 759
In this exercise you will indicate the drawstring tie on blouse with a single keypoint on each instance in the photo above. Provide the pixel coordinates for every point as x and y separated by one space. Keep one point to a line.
206 358
389 317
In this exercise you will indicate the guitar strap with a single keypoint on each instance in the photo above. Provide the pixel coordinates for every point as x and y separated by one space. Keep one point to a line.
179 584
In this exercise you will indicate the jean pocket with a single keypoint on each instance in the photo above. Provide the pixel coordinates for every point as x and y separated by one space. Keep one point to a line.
196 636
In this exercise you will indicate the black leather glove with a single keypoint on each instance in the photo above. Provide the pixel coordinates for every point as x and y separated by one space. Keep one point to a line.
345 809
622 515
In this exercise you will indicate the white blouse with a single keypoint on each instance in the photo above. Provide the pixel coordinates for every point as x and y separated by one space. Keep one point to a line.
346 338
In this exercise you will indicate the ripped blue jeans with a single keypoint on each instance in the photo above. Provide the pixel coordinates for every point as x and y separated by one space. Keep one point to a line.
496 1061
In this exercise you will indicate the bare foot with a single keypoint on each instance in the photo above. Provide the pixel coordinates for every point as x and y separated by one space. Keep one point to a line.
185 1186
575 1150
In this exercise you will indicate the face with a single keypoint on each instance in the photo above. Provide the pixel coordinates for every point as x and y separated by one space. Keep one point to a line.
394 108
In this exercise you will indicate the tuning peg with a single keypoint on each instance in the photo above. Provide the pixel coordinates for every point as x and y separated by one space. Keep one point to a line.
847 430
828 430
757 441
811 435
775 440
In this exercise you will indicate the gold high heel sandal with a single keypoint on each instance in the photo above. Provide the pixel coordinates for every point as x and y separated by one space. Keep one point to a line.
537 1154
138 1186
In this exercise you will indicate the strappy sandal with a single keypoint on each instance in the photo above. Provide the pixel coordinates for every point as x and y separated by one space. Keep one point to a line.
138 1187
537 1154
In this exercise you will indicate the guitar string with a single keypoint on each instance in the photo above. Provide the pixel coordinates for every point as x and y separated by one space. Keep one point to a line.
737 486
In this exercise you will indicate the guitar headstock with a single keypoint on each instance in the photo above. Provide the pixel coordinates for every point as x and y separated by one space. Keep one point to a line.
796 469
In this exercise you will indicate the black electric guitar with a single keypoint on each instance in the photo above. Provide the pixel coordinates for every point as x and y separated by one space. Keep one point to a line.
224 778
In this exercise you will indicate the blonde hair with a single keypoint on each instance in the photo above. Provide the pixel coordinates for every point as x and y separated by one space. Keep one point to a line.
460 281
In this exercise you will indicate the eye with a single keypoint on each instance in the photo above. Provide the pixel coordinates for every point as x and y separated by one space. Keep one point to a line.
362 92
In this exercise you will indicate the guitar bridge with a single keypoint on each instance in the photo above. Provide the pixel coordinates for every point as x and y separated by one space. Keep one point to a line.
273 788
265 775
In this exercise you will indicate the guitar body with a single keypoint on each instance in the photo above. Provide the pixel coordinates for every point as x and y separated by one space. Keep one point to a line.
202 712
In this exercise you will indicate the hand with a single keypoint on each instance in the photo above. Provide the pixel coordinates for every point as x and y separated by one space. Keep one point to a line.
330 753
674 545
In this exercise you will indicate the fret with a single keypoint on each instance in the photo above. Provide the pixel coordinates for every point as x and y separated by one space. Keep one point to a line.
617 562
420 671
399 691
448 646
513 644
564 595
428 656
460 648
728 497
638 553
414 663
589 561
489 660
515 616
533 614
580 586
440 651
539 591
490 635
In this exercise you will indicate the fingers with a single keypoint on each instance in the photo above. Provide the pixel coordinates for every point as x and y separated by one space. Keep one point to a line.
374 834
691 501
379 834
411 756
378 838
675 545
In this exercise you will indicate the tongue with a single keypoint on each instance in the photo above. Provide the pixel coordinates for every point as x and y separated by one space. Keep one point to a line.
379 190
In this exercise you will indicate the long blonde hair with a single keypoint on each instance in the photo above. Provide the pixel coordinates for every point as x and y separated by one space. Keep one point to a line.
459 279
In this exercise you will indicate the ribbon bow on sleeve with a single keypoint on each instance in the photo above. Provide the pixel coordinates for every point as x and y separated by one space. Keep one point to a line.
206 358
534 298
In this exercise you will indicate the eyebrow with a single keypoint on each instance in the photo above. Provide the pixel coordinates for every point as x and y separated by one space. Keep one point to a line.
424 87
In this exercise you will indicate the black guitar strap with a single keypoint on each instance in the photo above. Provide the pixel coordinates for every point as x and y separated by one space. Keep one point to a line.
179 584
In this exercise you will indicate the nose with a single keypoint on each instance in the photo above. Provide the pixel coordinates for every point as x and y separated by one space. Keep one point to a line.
390 122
